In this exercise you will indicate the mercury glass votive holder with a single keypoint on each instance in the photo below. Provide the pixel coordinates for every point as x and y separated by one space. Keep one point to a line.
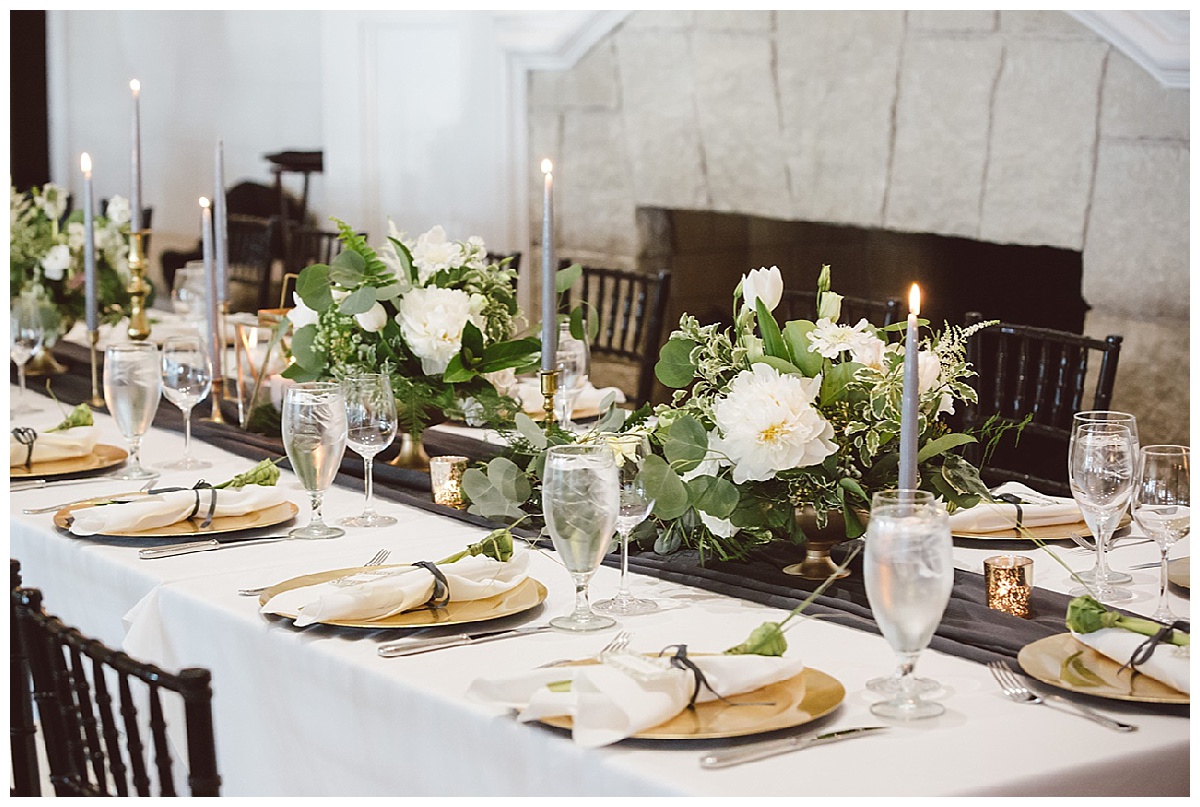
1009 581
446 474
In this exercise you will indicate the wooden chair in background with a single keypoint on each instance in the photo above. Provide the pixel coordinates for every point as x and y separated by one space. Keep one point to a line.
250 261
796 304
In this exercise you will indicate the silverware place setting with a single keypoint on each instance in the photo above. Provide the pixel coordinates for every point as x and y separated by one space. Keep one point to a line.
1017 692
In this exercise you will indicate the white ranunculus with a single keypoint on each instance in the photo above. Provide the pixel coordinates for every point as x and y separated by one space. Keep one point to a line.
929 374
763 284
117 210
828 339
301 314
869 352
54 265
720 527
372 320
830 307
433 253
431 321
768 424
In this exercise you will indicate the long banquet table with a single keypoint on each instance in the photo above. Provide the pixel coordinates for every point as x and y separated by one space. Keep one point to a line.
316 712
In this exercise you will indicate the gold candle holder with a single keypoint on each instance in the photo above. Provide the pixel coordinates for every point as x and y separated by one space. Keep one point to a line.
446 476
138 288
97 401
549 380
1009 581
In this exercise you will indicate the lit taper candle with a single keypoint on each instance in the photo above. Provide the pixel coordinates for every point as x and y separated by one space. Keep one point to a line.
549 312
220 226
89 244
214 318
135 160
909 415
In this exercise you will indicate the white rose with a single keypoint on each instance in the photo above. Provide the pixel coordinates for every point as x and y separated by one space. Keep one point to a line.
763 284
54 265
431 321
372 321
505 381
433 253
117 211
301 314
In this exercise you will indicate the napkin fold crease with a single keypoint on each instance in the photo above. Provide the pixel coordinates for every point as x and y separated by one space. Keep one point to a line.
51 446
164 509
1022 506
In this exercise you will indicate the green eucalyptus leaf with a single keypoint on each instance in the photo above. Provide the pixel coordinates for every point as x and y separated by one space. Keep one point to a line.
686 445
313 288
390 292
509 479
714 495
665 487
674 368
360 301
530 430
303 351
348 269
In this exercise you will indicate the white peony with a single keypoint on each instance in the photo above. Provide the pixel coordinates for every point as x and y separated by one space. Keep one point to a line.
433 253
829 339
117 210
301 314
56 262
431 321
372 320
763 284
929 374
768 424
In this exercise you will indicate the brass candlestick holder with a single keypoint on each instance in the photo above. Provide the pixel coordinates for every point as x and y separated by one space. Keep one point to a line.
217 393
97 401
549 380
138 288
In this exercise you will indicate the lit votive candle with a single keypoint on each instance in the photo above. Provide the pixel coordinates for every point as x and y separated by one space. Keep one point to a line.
446 474
1009 581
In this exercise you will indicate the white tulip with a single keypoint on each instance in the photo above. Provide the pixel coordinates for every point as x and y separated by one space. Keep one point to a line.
763 284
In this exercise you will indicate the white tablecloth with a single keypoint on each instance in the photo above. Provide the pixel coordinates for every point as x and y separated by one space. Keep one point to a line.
315 712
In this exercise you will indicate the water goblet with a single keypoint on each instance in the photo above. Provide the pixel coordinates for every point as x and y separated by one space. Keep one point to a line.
314 436
186 381
188 293
630 451
1101 472
908 569
132 389
1162 506
1108 416
580 502
370 428
27 332
573 362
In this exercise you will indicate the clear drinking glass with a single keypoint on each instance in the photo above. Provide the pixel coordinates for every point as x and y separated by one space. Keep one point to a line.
573 362
580 501
908 569
27 334
1162 506
132 389
186 380
370 428
1101 470
630 451
189 292
1126 419
314 436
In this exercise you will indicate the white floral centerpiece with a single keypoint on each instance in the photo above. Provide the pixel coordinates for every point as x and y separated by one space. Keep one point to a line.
433 314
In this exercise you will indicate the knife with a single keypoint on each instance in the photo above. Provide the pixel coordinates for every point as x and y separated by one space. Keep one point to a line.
749 753
19 485
119 498
202 546
413 646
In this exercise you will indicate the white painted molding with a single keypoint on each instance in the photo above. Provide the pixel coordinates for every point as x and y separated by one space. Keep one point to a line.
1159 41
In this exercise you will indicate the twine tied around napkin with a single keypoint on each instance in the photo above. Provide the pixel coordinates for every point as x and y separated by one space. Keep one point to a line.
1146 649
26 437
441 586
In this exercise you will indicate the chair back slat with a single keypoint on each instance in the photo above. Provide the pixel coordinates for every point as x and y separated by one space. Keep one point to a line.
802 304
133 736
250 241
86 715
108 726
162 750
22 732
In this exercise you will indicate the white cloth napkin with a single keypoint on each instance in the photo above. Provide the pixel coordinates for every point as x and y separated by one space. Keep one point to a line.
162 509
1169 664
606 704
1037 510
51 446
379 593
529 392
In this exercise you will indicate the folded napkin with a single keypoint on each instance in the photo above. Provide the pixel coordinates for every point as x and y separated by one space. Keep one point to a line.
378 593
1036 510
529 392
51 446
1169 664
162 509
607 704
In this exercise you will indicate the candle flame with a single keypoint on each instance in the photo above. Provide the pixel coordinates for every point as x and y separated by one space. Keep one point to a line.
85 163
914 299
204 201
136 86
547 166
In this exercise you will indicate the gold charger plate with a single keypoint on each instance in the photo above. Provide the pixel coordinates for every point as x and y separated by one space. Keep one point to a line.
792 702
102 456
1046 532
527 594
1044 659
267 517
1179 572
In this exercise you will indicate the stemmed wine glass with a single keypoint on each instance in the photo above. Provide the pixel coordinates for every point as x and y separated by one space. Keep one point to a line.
27 334
573 363
630 451
1126 419
314 436
132 389
187 380
1162 506
580 501
1101 470
370 428
908 569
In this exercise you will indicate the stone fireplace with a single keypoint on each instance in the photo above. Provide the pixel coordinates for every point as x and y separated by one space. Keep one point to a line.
915 132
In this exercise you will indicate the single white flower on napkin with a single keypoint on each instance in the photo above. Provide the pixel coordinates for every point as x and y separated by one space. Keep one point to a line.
1169 664
50 446
162 509
607 705
1037 509
378 593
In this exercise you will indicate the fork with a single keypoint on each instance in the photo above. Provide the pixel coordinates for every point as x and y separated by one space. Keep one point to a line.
378 559
615 645
54 508
1019 693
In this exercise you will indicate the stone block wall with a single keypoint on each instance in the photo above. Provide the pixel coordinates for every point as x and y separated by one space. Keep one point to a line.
1004 126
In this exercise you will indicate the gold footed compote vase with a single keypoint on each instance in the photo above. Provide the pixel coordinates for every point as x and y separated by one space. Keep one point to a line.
817 563
411 455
